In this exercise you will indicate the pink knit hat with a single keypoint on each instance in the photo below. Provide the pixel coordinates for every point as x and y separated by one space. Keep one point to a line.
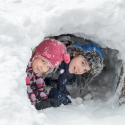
53 51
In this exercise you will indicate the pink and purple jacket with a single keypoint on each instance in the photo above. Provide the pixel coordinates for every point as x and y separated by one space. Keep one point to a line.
35 85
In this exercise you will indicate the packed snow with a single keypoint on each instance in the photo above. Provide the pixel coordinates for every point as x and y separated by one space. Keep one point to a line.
24 24
62 71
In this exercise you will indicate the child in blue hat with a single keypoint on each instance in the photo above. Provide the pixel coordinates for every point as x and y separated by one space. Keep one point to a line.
86 63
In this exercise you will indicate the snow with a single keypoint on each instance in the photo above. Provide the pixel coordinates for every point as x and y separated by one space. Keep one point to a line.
62 71
88 96
24 24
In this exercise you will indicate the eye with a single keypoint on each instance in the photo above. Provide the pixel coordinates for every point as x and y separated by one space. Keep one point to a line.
82 63
48 67
85 70
43 61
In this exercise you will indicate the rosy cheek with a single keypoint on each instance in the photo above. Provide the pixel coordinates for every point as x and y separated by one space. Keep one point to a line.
47 70
34 68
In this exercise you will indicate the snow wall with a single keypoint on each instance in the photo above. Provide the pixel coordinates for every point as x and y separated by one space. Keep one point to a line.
24 24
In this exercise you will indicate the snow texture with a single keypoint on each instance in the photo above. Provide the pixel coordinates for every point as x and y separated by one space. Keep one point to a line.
24 24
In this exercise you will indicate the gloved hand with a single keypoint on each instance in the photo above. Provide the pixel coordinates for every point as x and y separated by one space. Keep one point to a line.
42 104
54 102
46 103
61 97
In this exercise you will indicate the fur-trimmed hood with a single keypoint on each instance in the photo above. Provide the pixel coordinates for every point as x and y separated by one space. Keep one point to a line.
94 60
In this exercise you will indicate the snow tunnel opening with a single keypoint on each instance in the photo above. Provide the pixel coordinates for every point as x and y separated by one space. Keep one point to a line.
105 84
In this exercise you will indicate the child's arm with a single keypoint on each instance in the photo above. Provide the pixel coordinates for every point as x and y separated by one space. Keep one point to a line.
34 85
43 102
30 92
63 78
61 84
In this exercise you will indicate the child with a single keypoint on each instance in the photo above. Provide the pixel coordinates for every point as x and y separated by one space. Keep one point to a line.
48 54
86 62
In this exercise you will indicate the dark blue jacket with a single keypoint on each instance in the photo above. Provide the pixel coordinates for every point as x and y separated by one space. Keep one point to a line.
63 78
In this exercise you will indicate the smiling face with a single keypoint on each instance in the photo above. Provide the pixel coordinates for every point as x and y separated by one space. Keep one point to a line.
78 64
40 65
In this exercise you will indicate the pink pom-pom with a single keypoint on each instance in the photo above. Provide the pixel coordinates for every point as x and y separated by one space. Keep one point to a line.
66 58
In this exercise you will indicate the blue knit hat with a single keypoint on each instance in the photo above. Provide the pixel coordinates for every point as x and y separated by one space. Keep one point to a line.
90 47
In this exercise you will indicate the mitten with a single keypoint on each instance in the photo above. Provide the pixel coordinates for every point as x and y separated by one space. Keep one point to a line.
54 102
61 97
46 103
42 104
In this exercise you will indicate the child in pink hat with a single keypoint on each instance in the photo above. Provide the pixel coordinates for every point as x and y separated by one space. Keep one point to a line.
48 54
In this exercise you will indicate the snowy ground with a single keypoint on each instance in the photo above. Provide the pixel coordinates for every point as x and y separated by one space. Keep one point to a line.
23 24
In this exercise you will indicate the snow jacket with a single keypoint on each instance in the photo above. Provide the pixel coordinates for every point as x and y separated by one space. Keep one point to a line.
35 85
64 76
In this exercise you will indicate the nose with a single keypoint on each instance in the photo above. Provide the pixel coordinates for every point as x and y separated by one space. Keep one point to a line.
44 68
79 70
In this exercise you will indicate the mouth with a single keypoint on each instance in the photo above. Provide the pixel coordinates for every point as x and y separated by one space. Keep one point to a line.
38 69
75 71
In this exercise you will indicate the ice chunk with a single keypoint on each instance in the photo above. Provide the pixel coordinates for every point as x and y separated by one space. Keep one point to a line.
88 97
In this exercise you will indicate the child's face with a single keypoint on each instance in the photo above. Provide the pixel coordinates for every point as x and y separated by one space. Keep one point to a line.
78 65
40 65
